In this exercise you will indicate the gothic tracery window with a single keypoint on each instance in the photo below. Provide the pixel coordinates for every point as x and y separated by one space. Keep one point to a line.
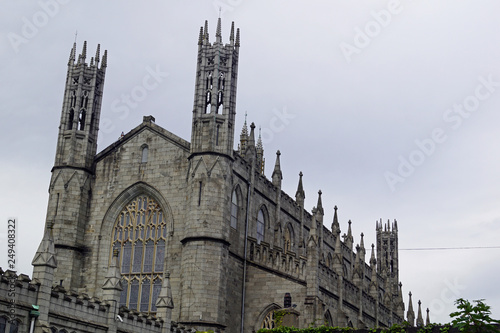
140 234
268 321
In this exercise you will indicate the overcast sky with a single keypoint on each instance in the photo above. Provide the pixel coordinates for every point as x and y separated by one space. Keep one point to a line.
391 108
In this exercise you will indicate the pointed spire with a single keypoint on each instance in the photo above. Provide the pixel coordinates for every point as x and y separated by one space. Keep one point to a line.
420 320
395 225
72 55
319 206
105 59
335 223
277 175
260 154
410 314
200 37
84 51
231 36
98 54
427 319
349 240
237 44
206 36
218 34
361 242
300 195
373 260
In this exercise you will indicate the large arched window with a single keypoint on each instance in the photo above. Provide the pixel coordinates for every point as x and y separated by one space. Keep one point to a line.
234 210
260 226
140 235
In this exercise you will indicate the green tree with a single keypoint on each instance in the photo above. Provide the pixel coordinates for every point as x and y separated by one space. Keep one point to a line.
473 317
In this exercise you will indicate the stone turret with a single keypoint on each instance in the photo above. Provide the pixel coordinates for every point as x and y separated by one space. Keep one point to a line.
209 186
70 187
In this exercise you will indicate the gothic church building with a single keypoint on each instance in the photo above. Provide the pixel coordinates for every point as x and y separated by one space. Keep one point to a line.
158 234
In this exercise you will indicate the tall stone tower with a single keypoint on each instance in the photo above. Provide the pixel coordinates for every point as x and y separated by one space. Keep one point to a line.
70 184
206 232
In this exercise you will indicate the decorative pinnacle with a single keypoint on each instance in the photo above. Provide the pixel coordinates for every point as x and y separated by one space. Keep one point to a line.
72 54
300 189
277 176
206 30
200 37
237 44
97 54
84 51
105 59
320 203
218 34
231 36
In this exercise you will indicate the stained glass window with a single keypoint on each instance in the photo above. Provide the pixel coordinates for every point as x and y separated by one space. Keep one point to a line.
140 235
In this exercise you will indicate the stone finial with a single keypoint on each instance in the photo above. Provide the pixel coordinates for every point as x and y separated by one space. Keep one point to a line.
410 314
319 205
335 223
251 137
300 195
420 320
427 319
277 176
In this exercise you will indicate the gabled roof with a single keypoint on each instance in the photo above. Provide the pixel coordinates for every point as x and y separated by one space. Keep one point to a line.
147 124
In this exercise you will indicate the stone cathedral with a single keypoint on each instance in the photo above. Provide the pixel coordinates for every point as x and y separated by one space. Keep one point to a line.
158 234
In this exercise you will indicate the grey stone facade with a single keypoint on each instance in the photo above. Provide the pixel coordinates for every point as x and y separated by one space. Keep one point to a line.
234 242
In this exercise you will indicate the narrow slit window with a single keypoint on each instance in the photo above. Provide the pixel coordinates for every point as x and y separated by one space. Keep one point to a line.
199 195
144 157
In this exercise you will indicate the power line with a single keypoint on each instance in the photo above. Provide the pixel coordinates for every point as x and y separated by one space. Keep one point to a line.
450 248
